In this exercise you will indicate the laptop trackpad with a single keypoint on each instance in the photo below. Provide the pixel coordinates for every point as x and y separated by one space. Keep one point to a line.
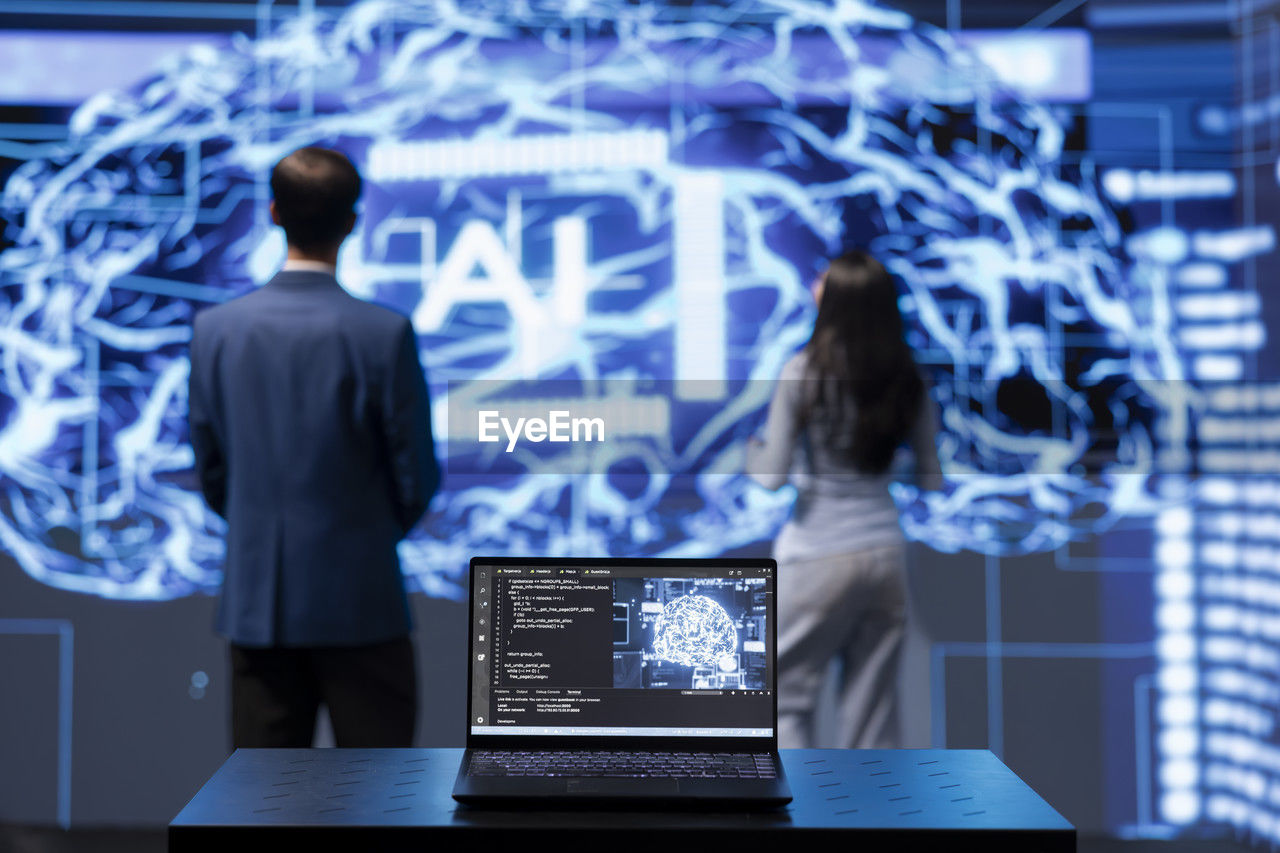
652 787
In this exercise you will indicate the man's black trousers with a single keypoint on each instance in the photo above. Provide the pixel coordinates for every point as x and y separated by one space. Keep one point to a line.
370 691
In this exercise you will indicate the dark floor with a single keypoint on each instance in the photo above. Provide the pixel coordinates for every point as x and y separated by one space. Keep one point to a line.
32 840
41 840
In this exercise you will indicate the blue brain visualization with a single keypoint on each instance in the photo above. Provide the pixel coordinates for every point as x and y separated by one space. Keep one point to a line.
694 630
626 202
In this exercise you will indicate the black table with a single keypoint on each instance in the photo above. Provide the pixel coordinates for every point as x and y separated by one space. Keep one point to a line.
398 799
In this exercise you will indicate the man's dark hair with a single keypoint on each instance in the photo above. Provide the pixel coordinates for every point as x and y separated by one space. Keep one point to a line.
315 191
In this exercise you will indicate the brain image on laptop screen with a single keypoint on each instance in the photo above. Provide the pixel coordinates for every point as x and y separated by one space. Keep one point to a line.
694 630
690 634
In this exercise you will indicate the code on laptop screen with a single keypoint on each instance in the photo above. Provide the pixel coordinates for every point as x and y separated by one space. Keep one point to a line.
622 651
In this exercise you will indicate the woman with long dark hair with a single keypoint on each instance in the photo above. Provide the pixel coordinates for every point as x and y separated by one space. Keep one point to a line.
843 407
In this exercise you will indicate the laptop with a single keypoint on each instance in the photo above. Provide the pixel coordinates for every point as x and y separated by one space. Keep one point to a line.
640 682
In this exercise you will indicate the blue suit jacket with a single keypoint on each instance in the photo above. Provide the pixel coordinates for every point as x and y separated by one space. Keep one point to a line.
311 429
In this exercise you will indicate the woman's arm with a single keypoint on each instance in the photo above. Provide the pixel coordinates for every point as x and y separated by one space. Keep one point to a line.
769 456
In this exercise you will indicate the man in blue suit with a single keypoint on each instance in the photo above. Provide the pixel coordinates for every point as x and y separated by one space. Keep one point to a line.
311 429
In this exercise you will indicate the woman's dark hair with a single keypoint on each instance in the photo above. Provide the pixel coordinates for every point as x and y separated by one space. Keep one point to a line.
859 355
315 191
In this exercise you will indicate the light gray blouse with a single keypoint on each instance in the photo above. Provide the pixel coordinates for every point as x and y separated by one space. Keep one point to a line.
838 508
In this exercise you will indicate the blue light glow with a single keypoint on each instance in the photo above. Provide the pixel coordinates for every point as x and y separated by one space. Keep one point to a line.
619 208
641 201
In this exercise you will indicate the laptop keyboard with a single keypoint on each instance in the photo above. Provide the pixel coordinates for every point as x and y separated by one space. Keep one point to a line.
625 765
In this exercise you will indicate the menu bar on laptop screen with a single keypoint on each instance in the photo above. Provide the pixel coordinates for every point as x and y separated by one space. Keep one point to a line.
622 650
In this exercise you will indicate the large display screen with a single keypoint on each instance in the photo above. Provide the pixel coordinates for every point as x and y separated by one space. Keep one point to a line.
626 207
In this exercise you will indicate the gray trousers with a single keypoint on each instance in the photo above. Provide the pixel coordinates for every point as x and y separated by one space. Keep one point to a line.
851 608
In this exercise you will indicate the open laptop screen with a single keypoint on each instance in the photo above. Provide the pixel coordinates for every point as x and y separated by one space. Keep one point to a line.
660 648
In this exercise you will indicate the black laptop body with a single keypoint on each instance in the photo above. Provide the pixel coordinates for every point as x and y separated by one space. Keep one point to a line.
615 682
